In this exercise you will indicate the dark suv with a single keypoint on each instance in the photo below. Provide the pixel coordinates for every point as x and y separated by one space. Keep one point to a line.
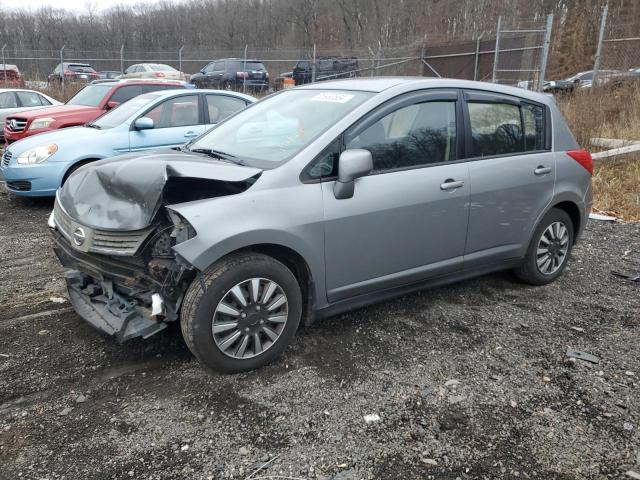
232 74
73 73
327 68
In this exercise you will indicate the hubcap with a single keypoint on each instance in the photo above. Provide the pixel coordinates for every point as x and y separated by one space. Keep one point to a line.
250 318
552 248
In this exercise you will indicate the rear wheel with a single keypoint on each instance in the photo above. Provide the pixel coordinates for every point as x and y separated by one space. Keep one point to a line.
549 249
246 315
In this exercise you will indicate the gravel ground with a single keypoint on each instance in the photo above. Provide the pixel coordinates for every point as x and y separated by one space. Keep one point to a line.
466 381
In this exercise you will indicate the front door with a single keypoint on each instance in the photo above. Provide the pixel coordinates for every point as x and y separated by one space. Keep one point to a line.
407 220
176 121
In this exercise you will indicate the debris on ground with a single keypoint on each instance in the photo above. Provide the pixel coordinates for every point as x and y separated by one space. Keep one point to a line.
632 277
57 299
372 418
587 357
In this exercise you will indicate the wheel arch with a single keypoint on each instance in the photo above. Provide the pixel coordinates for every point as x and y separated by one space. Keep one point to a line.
75 164
571 209
295 262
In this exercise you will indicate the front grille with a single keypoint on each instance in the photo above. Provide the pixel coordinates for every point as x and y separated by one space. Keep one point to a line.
21 186
6 158
110 242
16 124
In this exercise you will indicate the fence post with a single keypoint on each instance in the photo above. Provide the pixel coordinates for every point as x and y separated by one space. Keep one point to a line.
378 58
495 54
423 54
180 59
122 59
545 53
313 65
596 64
62 70
4 65
477 59
244 68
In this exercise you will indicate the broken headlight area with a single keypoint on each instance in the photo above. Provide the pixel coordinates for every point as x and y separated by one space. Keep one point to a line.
129 295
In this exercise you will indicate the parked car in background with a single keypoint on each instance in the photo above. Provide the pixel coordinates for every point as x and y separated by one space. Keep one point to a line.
233 74
327 68
13 101
85 106
277 217
579 80
10 76
72 73
154 70
109 74
37 166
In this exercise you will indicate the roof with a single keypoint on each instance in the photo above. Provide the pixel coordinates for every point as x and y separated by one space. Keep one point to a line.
144 81
8 66
186 91
379 84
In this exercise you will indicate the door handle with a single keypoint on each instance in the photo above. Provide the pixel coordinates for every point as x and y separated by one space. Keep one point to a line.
451 184
542 170
190 134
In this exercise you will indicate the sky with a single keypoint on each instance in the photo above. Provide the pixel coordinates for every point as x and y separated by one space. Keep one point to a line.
74 5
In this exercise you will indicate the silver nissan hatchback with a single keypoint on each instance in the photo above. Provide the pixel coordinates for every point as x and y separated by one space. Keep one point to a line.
317 200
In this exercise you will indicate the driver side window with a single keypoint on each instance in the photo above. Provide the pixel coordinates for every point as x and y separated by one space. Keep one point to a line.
411 136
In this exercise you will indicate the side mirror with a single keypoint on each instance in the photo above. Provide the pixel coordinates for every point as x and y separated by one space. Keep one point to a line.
143 123
352 164
111 104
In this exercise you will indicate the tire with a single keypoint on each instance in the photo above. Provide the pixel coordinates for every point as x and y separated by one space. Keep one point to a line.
202 310
540 268
226 85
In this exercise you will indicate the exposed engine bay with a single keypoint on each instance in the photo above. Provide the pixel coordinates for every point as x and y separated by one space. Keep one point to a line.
128 281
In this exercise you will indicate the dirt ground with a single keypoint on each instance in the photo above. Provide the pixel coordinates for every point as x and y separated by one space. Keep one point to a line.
469 381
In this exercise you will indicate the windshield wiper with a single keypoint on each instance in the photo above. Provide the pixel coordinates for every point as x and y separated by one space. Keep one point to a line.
93 125
216 154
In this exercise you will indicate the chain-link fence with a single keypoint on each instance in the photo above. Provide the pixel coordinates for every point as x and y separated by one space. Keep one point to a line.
618 50
514 54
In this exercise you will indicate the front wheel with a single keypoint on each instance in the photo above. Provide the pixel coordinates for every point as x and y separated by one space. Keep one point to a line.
549 249
246 315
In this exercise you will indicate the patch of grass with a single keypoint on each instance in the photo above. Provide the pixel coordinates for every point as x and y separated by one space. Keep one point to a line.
609 113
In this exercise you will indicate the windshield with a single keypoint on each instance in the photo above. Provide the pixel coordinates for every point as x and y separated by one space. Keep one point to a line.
115 117
90 96
158 67
275 129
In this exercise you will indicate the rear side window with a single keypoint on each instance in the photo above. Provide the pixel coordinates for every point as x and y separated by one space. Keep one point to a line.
8 100
176 112
30 99
414 135
222 106
533 116
496 129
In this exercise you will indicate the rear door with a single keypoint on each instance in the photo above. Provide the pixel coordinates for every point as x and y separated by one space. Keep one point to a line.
512 174
176 121
407 220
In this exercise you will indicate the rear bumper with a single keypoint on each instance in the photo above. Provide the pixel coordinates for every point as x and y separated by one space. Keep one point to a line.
113 296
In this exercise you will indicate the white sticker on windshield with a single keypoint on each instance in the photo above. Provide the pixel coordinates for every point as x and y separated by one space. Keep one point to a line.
332 97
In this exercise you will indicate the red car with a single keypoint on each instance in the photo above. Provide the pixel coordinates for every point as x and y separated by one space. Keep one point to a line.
10 76
85 106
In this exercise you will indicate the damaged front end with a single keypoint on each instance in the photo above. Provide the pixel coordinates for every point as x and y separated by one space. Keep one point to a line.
129 282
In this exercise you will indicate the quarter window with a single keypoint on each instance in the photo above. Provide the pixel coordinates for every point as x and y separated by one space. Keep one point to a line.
496 129
414 135
533 116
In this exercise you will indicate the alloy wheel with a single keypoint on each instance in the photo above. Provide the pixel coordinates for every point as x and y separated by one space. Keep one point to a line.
250 318
552 248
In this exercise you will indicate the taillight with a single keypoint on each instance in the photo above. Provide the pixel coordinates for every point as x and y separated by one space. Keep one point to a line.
68 73
583 158
242 75
266 75
159 74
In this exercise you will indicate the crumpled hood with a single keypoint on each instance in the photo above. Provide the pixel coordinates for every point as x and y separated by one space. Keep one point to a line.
125 192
